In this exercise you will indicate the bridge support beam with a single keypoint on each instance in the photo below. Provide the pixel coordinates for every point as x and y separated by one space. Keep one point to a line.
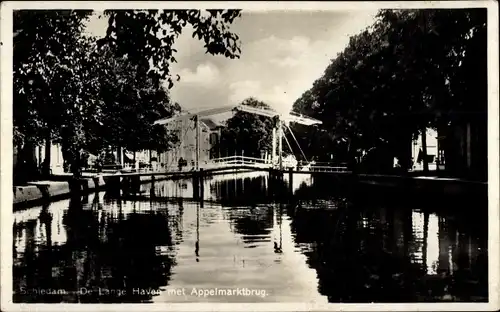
152 191
198 187
274 146
280 145
290 182
197 129
202 187
276 183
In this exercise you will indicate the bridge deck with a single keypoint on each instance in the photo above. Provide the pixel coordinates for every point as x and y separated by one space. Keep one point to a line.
232 163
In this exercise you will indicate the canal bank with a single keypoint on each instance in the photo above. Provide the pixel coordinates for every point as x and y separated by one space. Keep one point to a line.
434 194
423 188
63 186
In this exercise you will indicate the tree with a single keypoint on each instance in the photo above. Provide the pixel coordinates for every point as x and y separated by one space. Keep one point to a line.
146 36
398 77
130 105
247 132
44 52
60 77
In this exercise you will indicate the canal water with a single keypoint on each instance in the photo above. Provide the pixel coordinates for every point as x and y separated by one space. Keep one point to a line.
243 243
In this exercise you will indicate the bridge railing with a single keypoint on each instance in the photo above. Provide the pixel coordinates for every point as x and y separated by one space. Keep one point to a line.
231 161
237 160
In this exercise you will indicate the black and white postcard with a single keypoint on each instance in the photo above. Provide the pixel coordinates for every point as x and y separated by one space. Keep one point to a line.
290 156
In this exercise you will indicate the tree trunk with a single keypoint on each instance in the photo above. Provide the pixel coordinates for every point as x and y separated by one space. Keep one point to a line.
136 165
26 168
119 155
424 149
405 155
72 157
75 165
46 160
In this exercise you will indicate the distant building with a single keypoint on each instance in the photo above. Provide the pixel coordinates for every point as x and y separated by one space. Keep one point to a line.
56 158
214 139
460 149
466 146
434 152
186 148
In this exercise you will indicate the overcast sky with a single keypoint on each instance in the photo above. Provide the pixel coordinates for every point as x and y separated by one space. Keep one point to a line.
283 53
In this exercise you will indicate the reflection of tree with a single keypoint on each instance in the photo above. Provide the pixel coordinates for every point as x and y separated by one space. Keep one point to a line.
134 251
279 245
179 221
131 253
237 192
25 274
197 243
324 192
358 256
253 223
351 262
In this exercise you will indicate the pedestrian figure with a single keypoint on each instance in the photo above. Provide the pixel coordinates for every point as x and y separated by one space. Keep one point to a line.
180 163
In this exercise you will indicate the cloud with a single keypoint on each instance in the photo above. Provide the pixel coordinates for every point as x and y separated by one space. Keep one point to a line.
278 70
283 53
275 96
205 75
240 90
285 62
280 59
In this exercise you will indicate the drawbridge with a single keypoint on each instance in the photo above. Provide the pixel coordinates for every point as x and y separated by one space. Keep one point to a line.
277 161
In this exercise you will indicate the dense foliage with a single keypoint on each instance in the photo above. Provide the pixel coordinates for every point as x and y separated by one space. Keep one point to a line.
412 69
89 94
247 133
147 36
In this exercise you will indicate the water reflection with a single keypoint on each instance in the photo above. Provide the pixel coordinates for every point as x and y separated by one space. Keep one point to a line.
324 244
391 254
73 246
254 224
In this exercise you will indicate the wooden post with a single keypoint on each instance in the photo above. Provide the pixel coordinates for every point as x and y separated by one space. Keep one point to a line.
152 192
273 153
136 163
46 160
196 185
122 157
424 149
202 188
290 182
197 127
280 145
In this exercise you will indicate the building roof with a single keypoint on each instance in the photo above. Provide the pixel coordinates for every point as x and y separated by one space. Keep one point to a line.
210 123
